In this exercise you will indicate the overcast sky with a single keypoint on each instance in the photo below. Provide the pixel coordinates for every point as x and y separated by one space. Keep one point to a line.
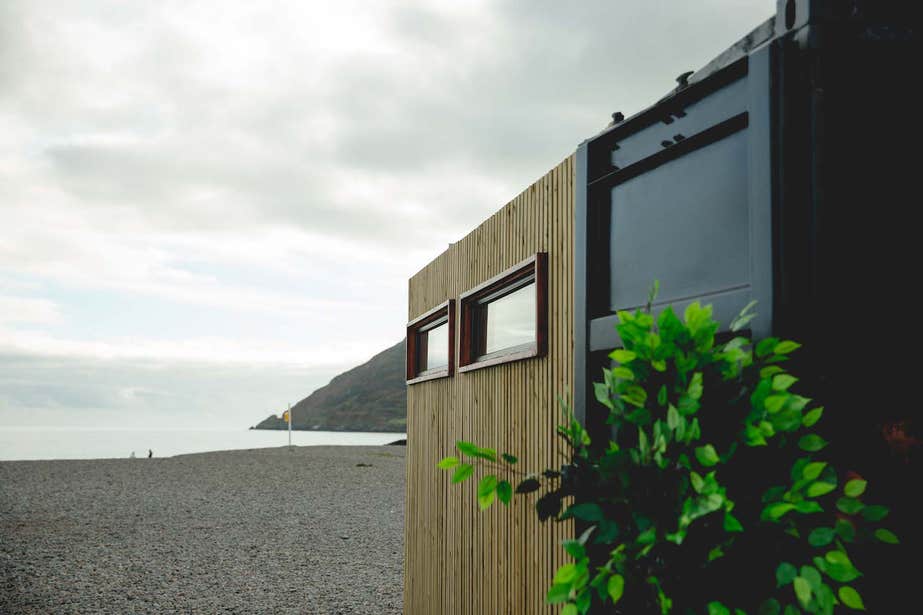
207 209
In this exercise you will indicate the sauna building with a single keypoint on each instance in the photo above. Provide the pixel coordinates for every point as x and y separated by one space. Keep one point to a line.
778 173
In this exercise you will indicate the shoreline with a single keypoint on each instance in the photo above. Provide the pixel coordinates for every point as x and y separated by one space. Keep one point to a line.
42 444
142 458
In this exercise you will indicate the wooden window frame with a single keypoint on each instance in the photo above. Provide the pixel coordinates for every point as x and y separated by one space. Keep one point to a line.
443 313
470 305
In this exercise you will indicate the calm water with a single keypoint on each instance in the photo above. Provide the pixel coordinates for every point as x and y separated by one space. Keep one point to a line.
73 443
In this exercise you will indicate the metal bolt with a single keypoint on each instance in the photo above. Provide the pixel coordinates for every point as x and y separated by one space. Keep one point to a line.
683 80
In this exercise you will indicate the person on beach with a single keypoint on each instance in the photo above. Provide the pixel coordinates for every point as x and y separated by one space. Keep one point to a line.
150 453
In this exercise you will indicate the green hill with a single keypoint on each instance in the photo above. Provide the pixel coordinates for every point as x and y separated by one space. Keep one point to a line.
370 397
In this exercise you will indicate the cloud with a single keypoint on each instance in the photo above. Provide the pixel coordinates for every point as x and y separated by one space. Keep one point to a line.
19 310
146 393
232 182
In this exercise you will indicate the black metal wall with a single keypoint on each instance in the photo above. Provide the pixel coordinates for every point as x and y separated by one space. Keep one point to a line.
784 171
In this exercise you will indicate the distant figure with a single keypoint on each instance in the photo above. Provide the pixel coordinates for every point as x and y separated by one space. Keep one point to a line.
132 456
150 453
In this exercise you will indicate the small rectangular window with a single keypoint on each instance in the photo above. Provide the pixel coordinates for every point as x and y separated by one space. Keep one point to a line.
505 318
430 344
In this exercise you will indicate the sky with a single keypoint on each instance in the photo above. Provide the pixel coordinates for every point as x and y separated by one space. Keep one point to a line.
208 209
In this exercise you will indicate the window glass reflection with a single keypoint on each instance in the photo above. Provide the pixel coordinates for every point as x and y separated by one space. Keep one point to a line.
510 320
436 347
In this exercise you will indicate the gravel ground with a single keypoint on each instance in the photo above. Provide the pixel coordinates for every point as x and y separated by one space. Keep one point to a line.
255 531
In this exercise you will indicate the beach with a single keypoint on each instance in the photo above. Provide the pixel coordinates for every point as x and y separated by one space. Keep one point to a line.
315 530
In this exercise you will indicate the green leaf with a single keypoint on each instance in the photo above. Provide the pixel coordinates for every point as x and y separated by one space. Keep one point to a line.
837 558
813 470
770 607
836 565
569 609
811 443
558 593
812 417
849 506
462 472
808 506
821 537
574 548
812 576
695 386
673 417
467 448
886 536
706 455
484 501
615 587
744 317
845 530
511 459
791 610
731 524
874 513
855 488
765 346
528 485
819 488
602 395
774 403
769 371
588 511
782 382
851 598
662 399
583 598
505 492
566 573
487 485
624 373
623 356
698 483
447 462
802 590
716 608
777 510
785 574
786 347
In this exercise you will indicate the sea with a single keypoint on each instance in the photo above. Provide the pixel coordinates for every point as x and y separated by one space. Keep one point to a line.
22 443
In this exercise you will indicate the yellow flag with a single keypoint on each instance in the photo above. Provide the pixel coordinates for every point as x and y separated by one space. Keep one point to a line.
285 416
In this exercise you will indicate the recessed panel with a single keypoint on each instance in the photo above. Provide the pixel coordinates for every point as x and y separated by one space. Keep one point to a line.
685 223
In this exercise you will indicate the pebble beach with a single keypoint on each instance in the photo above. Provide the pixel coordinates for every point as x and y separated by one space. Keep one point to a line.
317 529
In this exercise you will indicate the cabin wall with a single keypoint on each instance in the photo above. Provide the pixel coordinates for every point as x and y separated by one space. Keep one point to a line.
456 558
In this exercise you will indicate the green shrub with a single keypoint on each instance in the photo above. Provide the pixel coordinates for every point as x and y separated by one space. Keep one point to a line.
711 495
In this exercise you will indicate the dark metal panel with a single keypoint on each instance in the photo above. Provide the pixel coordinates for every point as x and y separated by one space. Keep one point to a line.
725 306
581 384
698 116
667 110
685 223
760 191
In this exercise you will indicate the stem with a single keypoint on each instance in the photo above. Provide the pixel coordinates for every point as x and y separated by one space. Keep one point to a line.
493 464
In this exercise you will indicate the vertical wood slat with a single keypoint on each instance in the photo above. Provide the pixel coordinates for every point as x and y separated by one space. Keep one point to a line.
458 560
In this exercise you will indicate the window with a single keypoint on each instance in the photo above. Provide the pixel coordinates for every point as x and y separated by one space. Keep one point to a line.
505 319
431 344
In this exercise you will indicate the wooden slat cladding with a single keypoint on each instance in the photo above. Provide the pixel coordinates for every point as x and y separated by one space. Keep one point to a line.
458 560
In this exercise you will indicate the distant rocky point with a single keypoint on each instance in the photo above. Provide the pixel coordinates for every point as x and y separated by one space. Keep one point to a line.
370 397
